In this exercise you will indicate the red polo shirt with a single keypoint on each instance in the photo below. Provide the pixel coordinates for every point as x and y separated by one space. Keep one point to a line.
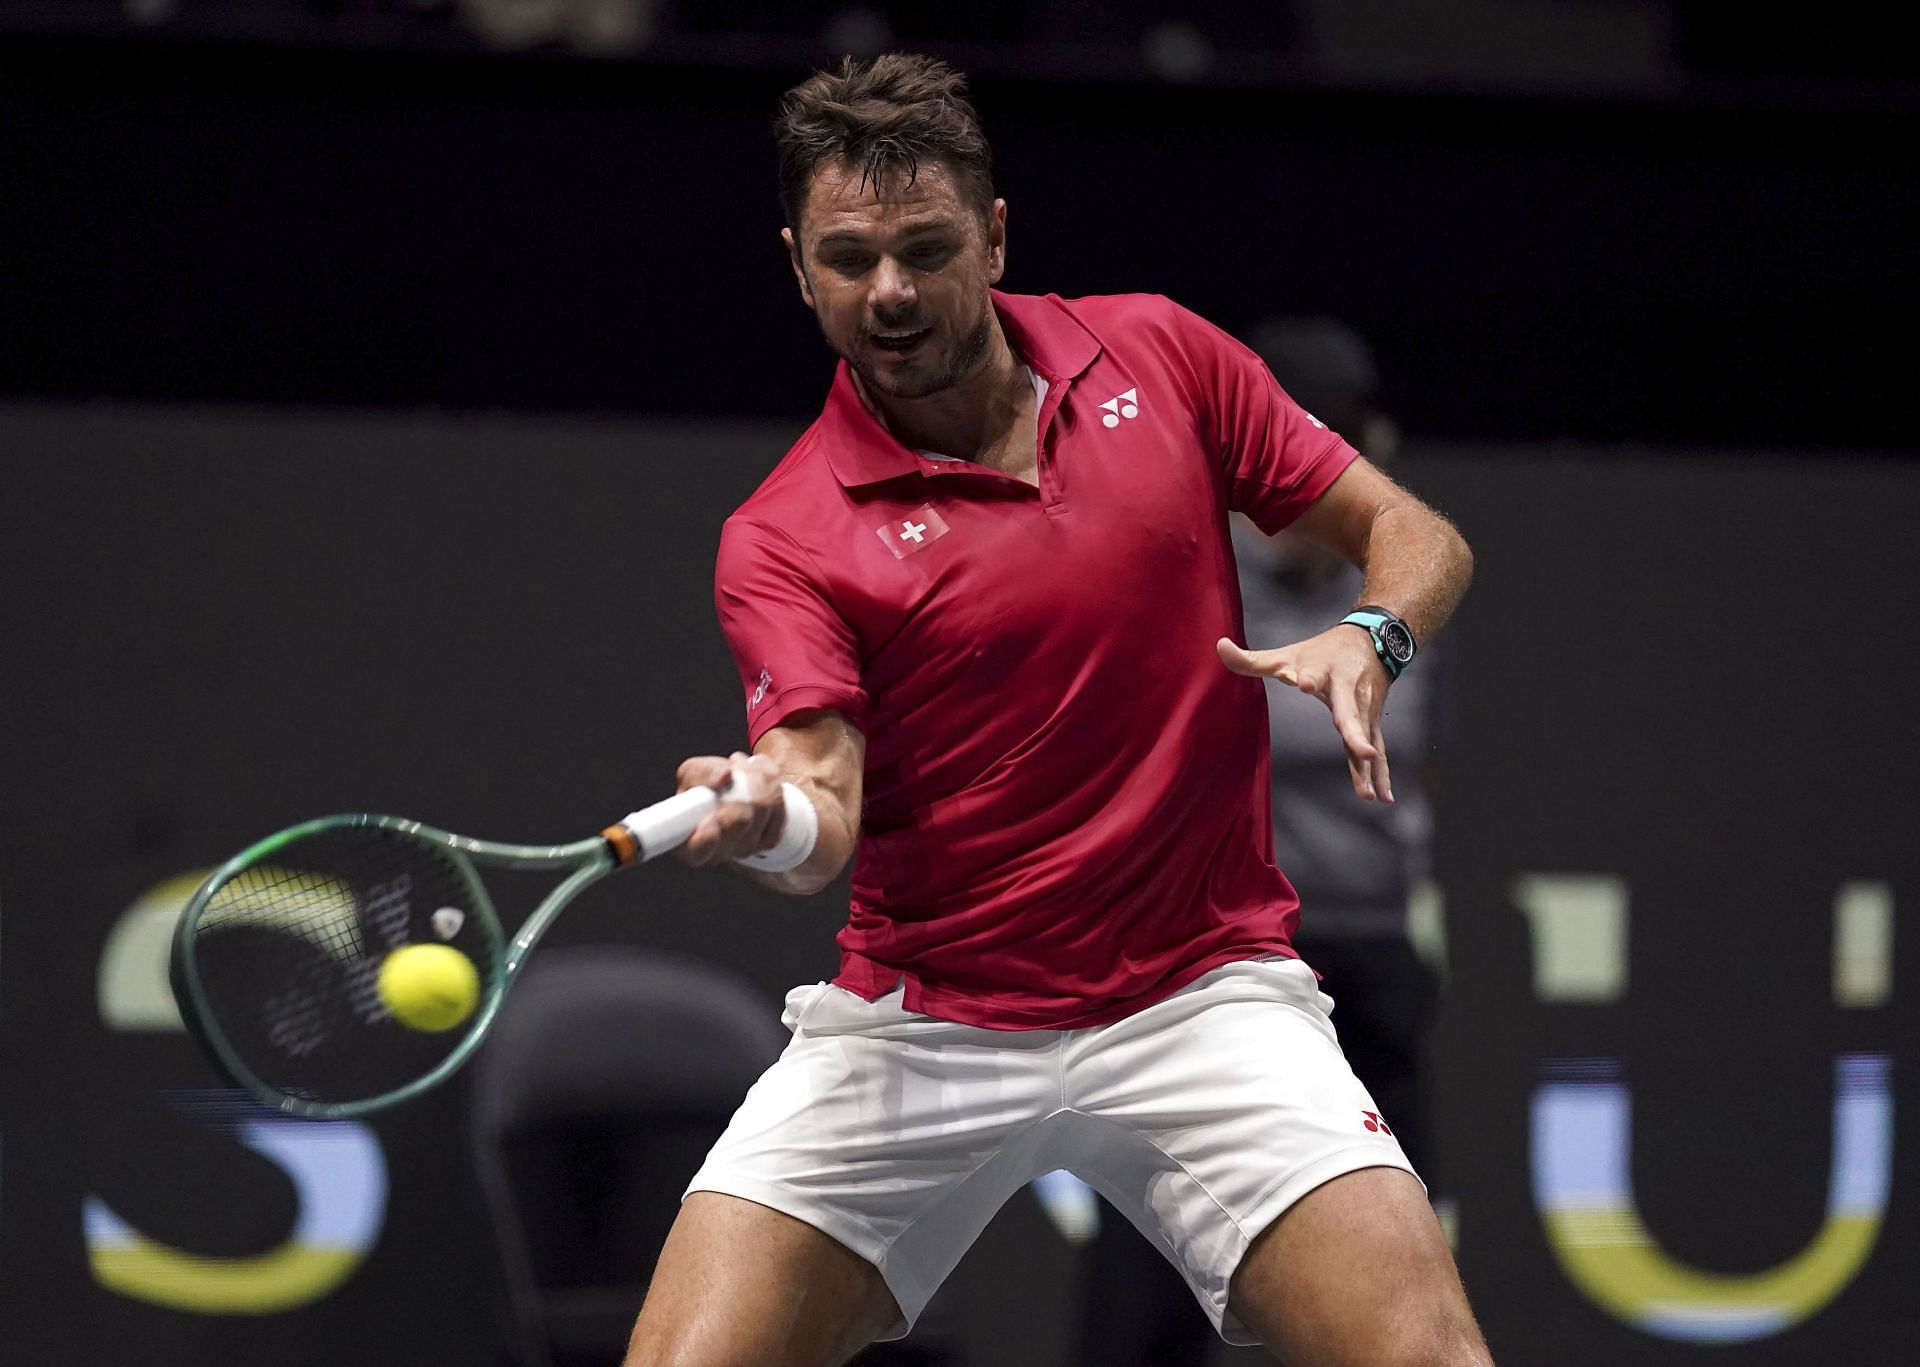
1066 811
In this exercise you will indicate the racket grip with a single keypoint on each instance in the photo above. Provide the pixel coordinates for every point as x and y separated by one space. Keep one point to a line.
653 831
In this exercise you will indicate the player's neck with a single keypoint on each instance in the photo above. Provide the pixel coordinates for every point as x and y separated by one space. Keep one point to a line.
970 420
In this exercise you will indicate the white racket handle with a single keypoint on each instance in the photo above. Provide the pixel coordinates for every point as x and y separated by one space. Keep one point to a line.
652 831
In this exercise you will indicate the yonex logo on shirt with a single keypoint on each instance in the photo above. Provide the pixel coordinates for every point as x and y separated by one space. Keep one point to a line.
914 532
1125 405
761 685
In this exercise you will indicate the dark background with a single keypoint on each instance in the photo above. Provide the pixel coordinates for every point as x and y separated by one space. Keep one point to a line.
370 400
228 224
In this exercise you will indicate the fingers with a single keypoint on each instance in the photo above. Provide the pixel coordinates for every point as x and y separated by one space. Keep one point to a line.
1356 708
755 779
1382 779
1339 668
704 771
1258 664
1356 735
1240 661
750 812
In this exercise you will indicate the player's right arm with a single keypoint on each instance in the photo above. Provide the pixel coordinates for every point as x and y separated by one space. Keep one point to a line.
822 754
799 663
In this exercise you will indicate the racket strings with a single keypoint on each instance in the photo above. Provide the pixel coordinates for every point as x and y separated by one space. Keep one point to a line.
289 949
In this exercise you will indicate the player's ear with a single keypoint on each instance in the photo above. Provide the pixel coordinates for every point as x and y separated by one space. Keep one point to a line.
996 241
799 270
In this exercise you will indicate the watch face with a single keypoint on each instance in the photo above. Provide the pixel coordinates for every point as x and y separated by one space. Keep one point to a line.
1398 641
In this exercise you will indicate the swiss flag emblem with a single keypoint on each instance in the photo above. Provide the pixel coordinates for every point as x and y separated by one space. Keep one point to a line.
913 532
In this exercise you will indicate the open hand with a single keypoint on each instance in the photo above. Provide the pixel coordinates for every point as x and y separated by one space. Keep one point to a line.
1340 668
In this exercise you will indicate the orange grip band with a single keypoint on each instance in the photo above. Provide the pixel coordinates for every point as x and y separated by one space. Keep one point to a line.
625 847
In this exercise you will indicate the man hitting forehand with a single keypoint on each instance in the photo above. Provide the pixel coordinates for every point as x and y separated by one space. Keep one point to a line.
984 614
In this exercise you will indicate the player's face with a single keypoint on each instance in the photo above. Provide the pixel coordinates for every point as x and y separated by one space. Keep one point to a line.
898 274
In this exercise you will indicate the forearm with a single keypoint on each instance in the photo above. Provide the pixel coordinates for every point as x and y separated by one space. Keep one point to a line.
1416 566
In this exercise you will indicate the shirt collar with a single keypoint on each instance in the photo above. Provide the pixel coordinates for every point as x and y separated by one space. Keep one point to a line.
1038 327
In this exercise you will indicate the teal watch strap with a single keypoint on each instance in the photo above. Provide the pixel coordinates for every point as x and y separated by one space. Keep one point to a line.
1372 620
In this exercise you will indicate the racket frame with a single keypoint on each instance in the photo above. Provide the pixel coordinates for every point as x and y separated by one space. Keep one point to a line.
586 861
638 837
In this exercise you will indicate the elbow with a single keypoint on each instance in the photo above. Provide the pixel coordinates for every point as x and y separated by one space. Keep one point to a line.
1456 554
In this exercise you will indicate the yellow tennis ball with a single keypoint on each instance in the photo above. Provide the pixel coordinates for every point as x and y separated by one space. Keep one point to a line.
429 987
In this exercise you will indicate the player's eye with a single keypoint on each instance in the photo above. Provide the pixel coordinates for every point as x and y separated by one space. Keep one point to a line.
928 254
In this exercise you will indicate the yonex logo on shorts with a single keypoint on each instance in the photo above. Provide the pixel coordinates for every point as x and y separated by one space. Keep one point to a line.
1120 406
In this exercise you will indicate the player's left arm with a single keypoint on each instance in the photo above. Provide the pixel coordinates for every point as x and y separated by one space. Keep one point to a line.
1416 565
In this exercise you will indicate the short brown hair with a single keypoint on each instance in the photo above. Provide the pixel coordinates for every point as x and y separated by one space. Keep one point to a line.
885 116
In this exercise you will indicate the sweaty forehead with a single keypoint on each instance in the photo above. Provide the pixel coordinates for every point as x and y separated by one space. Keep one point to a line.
842 201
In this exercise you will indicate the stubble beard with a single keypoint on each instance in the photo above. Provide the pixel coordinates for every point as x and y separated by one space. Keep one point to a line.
959 363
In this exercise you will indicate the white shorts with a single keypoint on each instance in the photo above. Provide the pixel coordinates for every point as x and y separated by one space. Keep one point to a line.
1201 1118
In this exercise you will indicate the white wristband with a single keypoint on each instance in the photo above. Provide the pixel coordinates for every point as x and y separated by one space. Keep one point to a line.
797 836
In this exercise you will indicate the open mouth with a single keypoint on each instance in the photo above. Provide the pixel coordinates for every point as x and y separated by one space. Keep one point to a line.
899 339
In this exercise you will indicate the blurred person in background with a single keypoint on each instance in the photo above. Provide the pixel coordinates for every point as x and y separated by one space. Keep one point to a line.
1355 864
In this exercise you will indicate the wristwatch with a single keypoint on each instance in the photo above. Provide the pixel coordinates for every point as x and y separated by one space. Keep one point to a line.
1392 638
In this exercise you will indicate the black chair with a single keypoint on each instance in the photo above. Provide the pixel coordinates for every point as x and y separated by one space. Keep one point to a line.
607 1078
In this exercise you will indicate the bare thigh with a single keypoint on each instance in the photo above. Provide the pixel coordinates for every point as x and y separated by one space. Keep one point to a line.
742 1285
1357 1274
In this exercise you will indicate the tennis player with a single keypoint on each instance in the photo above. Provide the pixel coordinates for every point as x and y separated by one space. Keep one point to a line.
985 614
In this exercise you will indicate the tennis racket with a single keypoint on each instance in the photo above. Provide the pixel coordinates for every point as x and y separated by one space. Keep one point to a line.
277 958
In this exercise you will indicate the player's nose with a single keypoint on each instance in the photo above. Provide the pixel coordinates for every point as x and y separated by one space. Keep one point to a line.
893 290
